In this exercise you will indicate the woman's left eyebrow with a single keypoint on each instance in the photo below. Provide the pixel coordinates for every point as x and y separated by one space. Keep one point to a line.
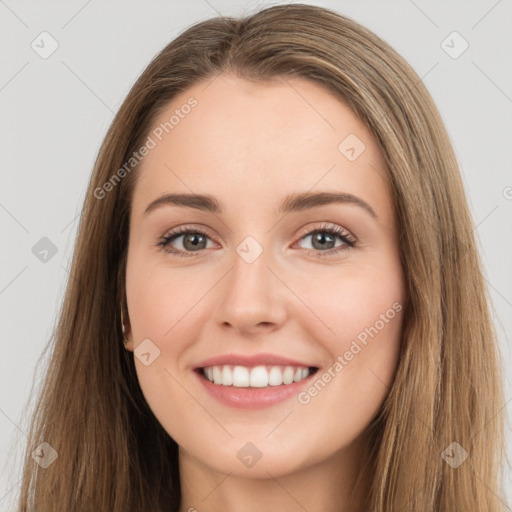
306 200
292 203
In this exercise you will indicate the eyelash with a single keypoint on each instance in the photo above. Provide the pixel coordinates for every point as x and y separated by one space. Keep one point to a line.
165 246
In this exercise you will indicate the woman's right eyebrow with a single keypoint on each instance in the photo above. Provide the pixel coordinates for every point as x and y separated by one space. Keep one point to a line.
292 203
197 201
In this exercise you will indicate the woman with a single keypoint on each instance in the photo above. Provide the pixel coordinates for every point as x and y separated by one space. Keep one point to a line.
259 373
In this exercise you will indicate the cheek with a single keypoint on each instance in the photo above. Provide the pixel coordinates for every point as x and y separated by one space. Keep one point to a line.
165 307
354 303
158 299
361 330
160 306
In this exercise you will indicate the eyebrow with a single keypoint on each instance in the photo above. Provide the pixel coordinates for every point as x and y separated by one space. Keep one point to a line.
292 203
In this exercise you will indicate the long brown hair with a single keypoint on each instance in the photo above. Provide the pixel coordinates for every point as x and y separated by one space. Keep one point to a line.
112 452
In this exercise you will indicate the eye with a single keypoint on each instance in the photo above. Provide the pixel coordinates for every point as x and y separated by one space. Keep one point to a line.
323 244
195 240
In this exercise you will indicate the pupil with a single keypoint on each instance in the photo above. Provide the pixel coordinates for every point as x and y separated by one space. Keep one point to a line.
193 240
320 237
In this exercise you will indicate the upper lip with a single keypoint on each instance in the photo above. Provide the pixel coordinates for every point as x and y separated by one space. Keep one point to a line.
253 360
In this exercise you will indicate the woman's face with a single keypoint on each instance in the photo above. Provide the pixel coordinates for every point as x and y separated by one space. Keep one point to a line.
258 282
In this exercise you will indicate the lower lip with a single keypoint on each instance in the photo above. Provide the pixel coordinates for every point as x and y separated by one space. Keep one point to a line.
252 398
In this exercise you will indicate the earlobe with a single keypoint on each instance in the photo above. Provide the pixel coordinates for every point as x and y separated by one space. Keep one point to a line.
128 344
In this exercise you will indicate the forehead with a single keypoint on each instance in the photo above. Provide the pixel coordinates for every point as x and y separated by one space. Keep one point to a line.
263 140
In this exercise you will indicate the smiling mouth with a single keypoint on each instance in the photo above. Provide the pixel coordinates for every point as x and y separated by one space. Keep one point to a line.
259 376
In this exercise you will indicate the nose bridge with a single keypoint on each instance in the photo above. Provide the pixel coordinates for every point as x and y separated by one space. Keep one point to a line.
250 277
250 294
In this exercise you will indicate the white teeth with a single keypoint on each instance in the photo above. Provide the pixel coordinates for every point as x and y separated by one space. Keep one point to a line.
300 374
258 377
240 377
288 375
227 376
275 377
255 377
217 375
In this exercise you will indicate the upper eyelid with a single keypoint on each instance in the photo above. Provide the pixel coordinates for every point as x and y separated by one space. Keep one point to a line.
326 226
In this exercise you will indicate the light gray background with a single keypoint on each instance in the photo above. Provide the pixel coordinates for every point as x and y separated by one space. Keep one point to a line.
55 112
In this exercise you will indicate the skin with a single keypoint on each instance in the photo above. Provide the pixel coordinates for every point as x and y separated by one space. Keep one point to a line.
250 145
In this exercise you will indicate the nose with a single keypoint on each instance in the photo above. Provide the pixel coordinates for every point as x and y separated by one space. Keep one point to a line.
251 299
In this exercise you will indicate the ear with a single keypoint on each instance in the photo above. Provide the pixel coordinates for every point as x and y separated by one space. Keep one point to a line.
127 331
129 344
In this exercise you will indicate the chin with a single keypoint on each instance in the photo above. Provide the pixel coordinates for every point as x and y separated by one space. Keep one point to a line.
255 459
